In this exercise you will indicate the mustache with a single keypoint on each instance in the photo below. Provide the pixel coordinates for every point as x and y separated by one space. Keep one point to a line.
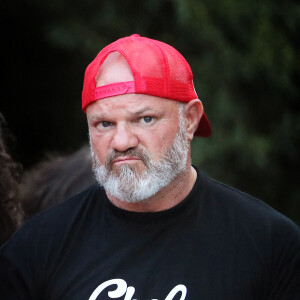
139 153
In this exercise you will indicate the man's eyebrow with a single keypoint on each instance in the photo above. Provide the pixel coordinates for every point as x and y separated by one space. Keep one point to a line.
96 116
143 111
138 112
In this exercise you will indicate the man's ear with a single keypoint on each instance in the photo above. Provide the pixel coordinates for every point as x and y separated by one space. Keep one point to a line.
193 112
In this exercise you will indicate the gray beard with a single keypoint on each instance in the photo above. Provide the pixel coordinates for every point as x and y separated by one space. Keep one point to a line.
130 185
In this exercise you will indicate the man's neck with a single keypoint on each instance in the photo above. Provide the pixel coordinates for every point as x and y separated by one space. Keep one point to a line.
166 198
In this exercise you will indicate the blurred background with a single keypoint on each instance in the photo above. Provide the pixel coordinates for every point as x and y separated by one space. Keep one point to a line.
244 55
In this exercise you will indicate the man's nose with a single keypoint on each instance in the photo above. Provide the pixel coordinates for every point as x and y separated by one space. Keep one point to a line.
124 138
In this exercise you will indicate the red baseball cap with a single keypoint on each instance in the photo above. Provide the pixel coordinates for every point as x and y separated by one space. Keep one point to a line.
158 69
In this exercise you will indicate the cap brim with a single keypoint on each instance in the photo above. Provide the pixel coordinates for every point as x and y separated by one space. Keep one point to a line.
204 128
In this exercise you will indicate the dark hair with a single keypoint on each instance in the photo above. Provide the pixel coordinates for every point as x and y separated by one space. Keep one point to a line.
55 179
10 209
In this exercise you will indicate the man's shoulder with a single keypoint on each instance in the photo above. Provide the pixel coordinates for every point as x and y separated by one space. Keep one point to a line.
240 206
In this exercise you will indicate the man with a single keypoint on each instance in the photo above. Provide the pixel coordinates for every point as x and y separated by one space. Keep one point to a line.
154 227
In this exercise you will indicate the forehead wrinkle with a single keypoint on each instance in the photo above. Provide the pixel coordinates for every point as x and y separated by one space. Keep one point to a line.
134 106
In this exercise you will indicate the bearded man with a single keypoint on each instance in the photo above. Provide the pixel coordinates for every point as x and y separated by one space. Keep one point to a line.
154 227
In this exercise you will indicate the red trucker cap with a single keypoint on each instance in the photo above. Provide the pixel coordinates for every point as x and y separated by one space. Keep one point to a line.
158 69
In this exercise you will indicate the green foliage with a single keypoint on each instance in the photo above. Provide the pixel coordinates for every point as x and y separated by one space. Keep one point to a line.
245 59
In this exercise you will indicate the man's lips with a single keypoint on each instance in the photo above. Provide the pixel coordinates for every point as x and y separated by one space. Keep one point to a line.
121 160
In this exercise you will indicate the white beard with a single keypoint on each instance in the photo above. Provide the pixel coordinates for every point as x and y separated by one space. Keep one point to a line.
132 186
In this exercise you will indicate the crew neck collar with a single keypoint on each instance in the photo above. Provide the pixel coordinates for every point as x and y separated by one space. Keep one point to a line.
181 207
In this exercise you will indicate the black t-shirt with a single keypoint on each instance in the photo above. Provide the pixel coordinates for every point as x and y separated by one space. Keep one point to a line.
218 243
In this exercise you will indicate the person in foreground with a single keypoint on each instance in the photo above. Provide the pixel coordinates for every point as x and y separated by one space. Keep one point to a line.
154 227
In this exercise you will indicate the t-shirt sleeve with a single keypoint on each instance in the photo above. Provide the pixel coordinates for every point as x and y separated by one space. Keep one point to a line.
285 257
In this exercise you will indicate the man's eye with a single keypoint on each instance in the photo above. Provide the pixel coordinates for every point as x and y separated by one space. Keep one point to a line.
147 119
104 124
